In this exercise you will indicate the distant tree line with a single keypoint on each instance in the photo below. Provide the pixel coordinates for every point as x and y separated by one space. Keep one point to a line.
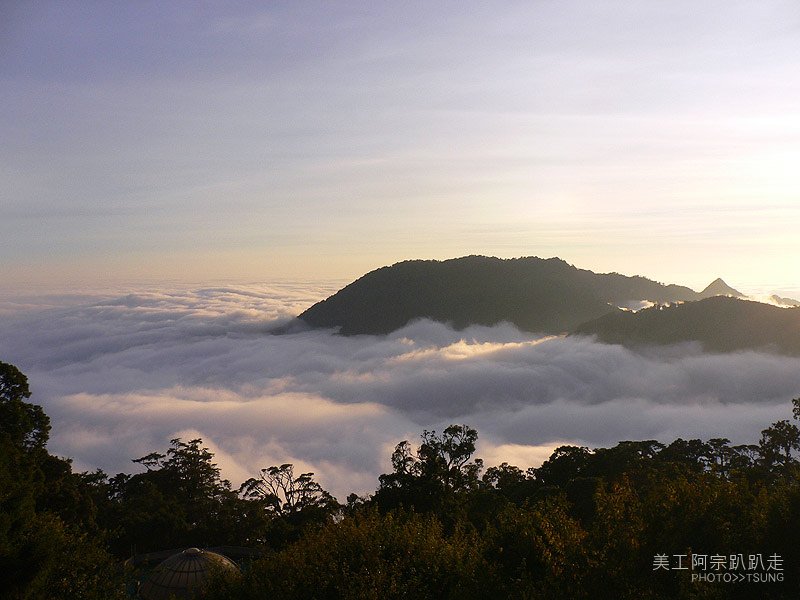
639 520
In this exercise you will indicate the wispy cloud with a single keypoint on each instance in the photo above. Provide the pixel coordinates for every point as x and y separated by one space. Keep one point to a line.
157 136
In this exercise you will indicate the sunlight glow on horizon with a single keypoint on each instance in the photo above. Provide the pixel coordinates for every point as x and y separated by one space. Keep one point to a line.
262 142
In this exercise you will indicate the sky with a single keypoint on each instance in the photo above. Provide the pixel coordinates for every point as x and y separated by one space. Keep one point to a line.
263 141
122 374
178 178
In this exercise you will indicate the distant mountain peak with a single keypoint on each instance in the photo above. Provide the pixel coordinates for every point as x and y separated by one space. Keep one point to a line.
780 301
719 324
535 294
719 288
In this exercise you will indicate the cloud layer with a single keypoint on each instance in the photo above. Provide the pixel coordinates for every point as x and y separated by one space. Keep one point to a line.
122 374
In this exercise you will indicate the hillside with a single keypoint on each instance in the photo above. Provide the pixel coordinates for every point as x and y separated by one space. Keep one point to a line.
721 324
720 288
535 294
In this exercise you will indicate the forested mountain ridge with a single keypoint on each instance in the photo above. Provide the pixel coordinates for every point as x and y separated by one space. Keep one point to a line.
550 296
720 288
535 294
720 323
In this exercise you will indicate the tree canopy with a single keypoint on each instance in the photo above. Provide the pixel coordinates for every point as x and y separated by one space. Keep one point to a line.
606 522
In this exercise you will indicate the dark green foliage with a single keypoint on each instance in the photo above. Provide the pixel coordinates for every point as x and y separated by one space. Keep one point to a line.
180 501
536 551
50 546
22 424
279 491
585 524
551 296
370 557
534 294
777 443
436 475
720 324
50 561
288 505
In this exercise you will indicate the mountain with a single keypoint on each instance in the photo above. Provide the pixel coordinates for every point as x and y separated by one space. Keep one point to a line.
719 323
784 301
552 296
720 288
535 294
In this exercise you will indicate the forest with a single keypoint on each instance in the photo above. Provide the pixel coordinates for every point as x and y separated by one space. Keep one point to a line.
643 519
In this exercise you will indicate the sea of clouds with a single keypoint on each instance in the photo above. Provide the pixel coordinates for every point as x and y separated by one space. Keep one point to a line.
122 373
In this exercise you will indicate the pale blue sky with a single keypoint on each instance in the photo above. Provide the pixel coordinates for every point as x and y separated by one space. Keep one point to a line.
205 140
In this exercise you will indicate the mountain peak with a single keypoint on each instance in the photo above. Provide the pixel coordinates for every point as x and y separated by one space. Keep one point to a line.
719 288
534 294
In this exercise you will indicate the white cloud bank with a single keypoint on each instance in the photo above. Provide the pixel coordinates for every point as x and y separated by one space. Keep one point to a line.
121 375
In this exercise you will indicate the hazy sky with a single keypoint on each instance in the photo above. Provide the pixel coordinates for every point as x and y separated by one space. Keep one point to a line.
210 140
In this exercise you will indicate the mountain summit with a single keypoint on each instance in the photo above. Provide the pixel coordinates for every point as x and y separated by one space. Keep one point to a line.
719 324
720 288
551 296
535 294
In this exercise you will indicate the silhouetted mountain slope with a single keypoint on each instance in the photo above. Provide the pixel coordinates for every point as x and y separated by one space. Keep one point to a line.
540 295
720 288
784 301
720 323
